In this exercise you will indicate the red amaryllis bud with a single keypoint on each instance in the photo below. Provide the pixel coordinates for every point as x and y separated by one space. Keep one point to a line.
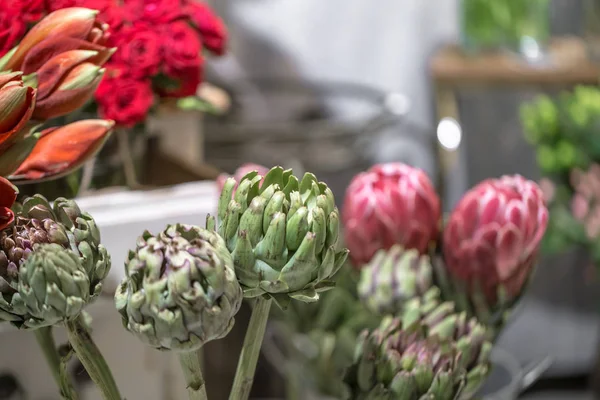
77 23
16 107
66 82
55 45
492 238
390 204
240 173
60 151
8 195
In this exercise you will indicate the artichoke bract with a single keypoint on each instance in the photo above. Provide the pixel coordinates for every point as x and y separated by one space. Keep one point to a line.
36 223
53 284
393 277
282 233
180 289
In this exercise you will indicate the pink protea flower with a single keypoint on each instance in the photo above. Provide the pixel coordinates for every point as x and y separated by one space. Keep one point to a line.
390 204
240 173
493 235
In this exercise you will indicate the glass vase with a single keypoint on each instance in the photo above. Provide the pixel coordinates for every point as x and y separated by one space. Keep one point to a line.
516 25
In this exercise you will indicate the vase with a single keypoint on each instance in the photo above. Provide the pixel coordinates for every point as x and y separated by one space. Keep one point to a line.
592 29
519 26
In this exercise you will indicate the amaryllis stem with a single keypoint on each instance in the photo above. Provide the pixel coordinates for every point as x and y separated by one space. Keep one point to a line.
127 159
92 360
244 375
191 364
48 345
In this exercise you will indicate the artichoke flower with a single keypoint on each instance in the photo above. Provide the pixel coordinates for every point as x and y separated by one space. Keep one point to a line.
404 360
393 277
53 285
491 244
387 205
180 289
394 362
36 223
283 235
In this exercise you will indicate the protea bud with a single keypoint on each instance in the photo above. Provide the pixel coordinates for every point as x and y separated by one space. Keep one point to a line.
387 205
60 151
492 240
16 108
8 196
76 23
283 235
393 277
400 362
180 290
37 223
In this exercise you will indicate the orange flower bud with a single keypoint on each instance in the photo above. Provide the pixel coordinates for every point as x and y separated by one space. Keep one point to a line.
60 151
66 82
16 107
76 22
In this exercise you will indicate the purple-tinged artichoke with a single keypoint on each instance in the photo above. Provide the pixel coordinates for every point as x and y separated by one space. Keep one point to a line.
38 223
393 277
180 290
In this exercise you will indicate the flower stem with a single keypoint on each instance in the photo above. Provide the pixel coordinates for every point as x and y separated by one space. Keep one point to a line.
92 360
46 342
244 375
191 364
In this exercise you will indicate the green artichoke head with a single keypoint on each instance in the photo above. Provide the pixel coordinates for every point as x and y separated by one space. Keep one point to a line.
180 289
37 223
283 235
393 277
53 285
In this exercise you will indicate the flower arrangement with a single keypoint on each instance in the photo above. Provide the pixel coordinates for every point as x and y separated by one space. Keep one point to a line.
415 271
160 48
568 155
427 299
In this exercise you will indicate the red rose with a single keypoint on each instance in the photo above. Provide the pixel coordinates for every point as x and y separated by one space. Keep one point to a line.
32 10
155 11
12 27
211 27
181 48
184 84
110 12
124 99
53 5
139 49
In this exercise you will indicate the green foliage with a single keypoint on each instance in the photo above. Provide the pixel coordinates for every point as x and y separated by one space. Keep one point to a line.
565 133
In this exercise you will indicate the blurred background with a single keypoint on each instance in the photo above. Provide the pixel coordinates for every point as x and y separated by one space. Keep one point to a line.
334 87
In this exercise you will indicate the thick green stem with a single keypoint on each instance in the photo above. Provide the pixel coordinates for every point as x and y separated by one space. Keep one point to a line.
191 364
46 342
244 375
92 360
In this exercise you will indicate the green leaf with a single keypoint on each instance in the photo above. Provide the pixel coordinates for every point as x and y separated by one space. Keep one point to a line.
194 103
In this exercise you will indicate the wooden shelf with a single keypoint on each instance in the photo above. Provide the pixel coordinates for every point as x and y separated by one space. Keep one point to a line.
568 65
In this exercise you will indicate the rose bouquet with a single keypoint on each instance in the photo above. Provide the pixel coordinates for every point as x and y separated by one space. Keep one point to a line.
159 48
568 155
